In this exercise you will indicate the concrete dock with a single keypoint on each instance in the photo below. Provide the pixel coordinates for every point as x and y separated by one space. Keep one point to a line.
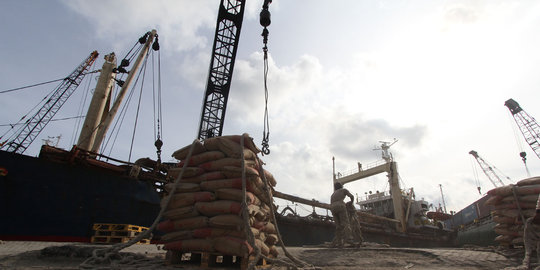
27 255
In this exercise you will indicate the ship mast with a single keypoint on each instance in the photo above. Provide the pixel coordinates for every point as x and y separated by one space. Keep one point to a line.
100 99
390 167
107 116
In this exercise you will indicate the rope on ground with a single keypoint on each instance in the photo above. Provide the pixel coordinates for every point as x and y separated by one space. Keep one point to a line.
107 255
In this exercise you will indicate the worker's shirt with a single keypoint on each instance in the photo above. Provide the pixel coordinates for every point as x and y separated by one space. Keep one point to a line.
531 232
339 195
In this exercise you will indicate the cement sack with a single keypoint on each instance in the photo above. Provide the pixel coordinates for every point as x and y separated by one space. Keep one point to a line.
514 205
230 145
271 239
173 173
274 253
504 239
183 224
269 228
514 213
203 157
234 172
182 187
176 235
218 165
180 213
184 199
507 220
216 232
220 207
263 247
270 178
232 246
235 183
203 177
520 190
508 231
236 195
532 198
229 221
529 181
182 153
518 241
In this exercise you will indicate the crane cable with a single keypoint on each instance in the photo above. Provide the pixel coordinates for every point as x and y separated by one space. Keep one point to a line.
265 21
42 83
475 173
519 143
158 121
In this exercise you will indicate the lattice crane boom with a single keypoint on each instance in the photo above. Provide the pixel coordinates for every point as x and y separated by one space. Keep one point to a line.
527 125
228 26
488 170
39 120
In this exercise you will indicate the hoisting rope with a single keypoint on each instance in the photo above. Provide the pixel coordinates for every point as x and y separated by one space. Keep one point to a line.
264 19
138 107
100 256
38 84
159 119
245 215
475 173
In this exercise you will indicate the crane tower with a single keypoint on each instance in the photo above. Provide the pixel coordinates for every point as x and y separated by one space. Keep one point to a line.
229 23
489 170
527 125
38 121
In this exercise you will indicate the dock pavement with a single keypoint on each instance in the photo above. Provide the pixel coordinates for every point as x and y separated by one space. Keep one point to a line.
26 255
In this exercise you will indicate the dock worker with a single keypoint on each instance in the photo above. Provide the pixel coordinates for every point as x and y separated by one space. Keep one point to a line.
341 218
531 236
354 222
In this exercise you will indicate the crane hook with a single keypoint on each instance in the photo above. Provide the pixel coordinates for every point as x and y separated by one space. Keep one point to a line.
265 22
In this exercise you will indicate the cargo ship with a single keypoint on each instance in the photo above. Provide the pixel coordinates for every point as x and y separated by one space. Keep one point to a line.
395 218
474 224
60 194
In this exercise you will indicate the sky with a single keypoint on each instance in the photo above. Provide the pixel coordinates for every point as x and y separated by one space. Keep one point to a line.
433 75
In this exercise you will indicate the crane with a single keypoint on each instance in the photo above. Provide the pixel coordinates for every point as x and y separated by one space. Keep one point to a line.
228 26
39 120
527 125
489 171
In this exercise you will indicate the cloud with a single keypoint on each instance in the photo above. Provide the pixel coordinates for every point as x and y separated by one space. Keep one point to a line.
461 14
179 23
310 121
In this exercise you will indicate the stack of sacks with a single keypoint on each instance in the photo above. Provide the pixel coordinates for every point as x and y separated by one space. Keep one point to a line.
205 213
506 215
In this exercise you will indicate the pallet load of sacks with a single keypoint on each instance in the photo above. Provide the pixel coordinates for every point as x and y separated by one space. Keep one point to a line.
205 211
513 204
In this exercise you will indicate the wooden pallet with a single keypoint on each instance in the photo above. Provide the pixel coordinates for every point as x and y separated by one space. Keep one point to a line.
116 233
115 240
118 227
208 260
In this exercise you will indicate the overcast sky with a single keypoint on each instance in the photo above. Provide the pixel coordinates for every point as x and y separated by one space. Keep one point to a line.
343 76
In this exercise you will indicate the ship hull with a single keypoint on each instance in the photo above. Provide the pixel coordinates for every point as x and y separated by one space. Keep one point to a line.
47 200
301 231
51 201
